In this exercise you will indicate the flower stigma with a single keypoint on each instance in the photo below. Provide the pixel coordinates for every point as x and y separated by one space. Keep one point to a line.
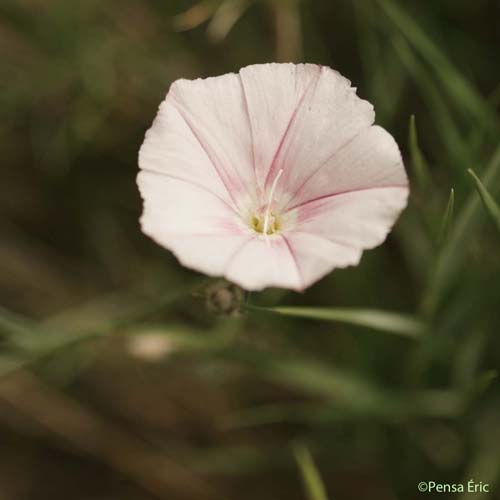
266 221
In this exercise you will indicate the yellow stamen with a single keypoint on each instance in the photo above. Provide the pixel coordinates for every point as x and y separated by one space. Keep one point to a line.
274 224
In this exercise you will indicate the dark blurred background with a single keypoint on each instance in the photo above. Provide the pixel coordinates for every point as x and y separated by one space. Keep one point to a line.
115 381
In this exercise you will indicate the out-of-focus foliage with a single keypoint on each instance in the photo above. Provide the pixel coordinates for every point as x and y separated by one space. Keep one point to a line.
115 380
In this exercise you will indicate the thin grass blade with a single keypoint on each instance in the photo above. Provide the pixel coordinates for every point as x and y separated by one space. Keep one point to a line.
452 255
447 218
389 322
313 484
418 162
490 205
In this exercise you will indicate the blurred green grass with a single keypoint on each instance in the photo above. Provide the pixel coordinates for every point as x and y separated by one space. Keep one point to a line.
117 383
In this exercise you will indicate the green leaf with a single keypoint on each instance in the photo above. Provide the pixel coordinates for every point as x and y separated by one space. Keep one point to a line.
448 217
311 477
489 203
418 162
389 322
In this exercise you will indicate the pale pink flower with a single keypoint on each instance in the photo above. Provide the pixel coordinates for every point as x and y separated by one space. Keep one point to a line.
270 177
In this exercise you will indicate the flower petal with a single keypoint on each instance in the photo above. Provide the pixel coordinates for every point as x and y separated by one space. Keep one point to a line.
361 219
199 228
260 264
324 119
215 111
175 206
274 93
371 159
316 256
171 149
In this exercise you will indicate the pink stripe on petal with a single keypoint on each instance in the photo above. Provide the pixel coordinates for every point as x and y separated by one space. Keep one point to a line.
317 256
260 264
173 206
274 166
250 127
215 111
295 260
325 197
369 160
226 179
195 184
360 218
273 93
330 118
171 149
